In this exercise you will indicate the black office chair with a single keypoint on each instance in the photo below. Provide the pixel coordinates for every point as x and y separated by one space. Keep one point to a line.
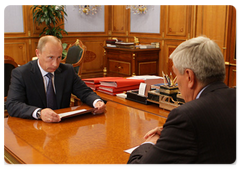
9 65
75 54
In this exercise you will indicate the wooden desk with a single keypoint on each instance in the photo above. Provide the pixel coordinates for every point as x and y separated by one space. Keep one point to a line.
86 139
152 108
130 62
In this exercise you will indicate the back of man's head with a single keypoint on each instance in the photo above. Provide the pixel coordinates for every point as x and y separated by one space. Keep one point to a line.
203 56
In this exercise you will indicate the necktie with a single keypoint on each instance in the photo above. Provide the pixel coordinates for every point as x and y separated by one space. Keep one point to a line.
51 96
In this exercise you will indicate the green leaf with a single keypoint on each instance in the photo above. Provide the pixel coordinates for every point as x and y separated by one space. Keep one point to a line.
64 45
51 16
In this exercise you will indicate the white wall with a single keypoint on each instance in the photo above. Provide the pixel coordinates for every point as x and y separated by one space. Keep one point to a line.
77 22
146 23
13 19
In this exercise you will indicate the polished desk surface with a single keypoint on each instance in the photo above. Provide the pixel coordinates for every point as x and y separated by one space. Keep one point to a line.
85 139
152 108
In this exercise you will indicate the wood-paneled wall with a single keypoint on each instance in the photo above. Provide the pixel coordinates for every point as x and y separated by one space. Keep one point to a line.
177 24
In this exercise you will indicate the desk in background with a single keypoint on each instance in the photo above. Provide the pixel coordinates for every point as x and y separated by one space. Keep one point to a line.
129 62
85 139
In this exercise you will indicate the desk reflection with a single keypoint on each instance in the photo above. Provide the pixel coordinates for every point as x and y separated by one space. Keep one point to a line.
85 139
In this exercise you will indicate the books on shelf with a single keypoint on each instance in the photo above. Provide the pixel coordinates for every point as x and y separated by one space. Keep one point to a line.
124 43
110 45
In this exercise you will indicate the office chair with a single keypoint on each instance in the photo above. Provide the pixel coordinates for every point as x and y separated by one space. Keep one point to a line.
75 55
8 64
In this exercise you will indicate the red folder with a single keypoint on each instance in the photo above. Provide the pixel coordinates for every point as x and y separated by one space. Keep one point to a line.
107 92
120 89
93 86
121 82
98 79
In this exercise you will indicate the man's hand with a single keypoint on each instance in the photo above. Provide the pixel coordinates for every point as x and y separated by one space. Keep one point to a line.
100 105
154 131
48 115
153 138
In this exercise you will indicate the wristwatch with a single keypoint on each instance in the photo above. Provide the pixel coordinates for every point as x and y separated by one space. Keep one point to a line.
39 114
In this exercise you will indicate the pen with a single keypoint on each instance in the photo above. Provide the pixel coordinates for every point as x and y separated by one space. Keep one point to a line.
171 79
168 80
164 77
174 80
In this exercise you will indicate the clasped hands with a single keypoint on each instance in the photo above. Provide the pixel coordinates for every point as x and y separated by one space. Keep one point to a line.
153 135
48 115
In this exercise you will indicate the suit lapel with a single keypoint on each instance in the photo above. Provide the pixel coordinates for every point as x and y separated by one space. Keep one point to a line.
37 80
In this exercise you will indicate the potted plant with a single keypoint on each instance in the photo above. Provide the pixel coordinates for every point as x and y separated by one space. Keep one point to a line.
51 15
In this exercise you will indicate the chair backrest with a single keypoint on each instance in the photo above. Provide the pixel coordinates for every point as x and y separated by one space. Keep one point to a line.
75 55
9 65
6 57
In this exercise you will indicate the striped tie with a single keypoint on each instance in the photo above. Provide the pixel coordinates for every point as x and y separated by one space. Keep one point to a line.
51 96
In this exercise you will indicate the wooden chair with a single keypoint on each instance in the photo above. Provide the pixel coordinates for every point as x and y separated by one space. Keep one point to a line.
75 54
6 57
9 65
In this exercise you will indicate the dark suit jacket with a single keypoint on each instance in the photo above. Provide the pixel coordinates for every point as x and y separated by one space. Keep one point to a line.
200 131
27 92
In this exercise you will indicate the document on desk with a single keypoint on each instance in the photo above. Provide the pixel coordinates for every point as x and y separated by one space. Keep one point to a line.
75 113
131 149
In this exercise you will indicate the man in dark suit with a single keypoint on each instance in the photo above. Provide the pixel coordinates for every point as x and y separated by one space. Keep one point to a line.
29 85
203 130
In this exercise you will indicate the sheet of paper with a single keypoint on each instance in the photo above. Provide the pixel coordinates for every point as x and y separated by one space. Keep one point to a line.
122 95
142 89
71 112
145 77
131 149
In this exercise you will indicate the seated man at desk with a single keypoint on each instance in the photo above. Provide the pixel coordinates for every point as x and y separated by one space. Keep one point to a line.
203 130
41 86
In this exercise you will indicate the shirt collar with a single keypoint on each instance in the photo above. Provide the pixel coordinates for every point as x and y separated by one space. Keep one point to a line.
43 71
199 94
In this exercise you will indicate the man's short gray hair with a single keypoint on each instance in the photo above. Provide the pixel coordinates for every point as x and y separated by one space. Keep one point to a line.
203 56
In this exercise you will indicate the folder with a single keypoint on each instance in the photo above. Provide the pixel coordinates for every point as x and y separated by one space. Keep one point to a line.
108 92
120 89
93 86
121 82
98 79
75 113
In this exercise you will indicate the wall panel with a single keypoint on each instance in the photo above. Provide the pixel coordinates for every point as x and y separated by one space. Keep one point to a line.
18 50
212 22
177 21
119 19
